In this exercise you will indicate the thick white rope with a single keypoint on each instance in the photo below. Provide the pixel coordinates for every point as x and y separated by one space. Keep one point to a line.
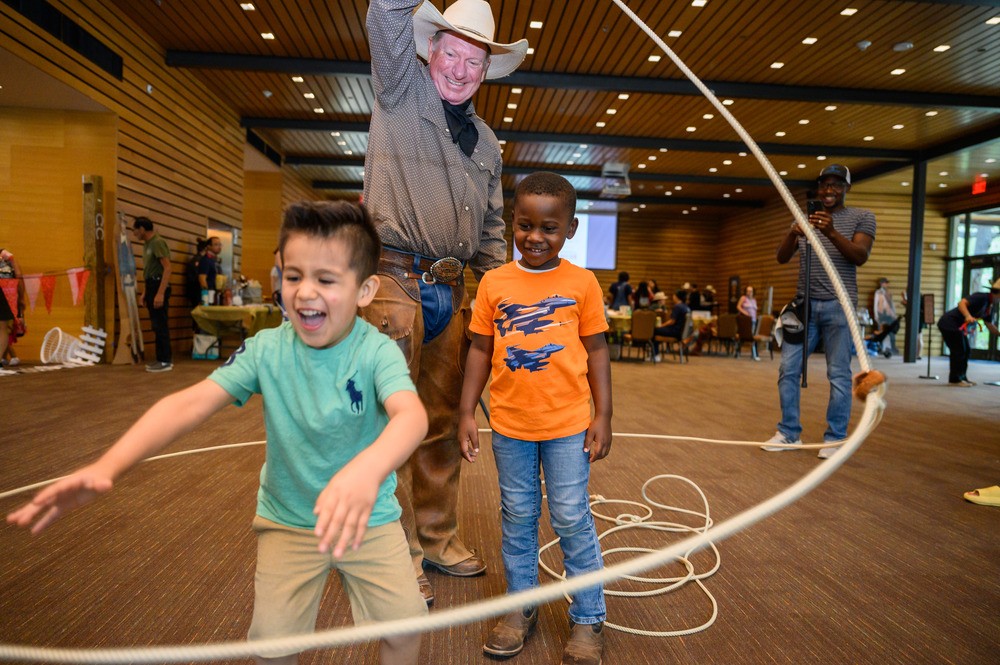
874 405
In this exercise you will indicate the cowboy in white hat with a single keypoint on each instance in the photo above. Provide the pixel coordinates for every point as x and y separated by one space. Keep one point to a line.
432 183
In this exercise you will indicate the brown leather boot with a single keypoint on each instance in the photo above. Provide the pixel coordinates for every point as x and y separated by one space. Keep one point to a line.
585 645
507 637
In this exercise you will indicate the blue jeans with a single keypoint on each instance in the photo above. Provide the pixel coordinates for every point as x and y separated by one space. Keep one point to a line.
826 321
567 471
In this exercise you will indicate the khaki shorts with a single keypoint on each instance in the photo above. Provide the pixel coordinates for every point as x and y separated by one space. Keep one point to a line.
292 573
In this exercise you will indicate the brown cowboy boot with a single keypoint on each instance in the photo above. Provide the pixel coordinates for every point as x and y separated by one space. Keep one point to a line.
585 645
507 637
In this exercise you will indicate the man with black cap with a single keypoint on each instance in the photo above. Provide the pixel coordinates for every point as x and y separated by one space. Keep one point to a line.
432 184
847 235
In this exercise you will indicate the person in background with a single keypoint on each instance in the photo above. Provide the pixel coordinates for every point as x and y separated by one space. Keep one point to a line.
156 273
708 298
674 326
694 297
546 369
9 316
847 235
957 324
885 312
432 182
622 294
747 306
208 268
643 296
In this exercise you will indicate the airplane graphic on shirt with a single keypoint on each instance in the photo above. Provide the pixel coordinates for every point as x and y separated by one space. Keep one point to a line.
518 358
530 319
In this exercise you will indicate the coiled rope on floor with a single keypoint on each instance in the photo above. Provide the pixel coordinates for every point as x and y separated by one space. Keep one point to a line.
874 404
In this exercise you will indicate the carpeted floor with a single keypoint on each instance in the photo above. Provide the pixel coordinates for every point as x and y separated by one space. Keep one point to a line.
883 563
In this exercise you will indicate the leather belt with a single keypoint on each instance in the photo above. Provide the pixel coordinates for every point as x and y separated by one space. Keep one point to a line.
447 271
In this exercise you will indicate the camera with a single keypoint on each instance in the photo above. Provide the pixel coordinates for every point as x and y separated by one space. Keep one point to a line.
814 205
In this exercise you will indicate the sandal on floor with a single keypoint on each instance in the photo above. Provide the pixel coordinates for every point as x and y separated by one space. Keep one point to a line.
987 496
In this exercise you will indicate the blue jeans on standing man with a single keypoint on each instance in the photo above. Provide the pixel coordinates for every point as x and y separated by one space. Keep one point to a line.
567 472
826 322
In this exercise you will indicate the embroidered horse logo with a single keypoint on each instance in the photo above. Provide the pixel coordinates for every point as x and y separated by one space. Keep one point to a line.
356 396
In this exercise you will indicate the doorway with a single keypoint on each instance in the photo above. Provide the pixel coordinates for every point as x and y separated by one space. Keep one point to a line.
979 275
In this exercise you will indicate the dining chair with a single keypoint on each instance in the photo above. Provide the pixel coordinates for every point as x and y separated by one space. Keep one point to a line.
641 335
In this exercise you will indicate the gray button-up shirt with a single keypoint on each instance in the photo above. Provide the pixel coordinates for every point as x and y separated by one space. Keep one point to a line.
425 194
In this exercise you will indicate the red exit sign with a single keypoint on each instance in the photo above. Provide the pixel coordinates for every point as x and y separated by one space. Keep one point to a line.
979 185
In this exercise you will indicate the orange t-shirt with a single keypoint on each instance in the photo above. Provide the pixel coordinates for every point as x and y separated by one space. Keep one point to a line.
539 389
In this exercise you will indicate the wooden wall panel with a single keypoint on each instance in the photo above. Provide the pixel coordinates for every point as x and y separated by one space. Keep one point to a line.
261 219
180 149
41 204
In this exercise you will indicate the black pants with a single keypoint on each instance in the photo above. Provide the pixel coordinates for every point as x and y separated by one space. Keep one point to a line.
158 319
958 347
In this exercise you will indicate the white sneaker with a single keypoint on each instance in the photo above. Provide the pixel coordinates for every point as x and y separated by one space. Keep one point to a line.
14 362
780 438
825 453
657 359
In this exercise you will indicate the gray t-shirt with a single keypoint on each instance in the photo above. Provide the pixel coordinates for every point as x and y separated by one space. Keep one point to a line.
847 222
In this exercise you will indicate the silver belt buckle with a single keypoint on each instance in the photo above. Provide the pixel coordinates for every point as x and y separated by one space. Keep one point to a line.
447 269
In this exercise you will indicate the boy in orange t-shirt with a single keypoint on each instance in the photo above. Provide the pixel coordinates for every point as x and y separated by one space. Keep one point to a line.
539 324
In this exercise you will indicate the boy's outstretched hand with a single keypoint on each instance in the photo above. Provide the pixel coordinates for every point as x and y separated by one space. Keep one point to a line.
343 509
60 497
598 440
468 437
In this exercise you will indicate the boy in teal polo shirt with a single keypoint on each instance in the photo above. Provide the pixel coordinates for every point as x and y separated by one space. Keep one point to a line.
341 415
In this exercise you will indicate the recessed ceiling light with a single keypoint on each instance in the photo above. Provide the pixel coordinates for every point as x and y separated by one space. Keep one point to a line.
931 114
821 158
535 25
654 58
898 126
900 47
694 208
318 110
708 116
267 35
779 133
777 65
942 185
726 195
577 155
515 91
642 166
338 134
642 205
810 40
831 107
297 79
738 190
943 173
247 6
569 162
990 160
309 95
713 170
742 154
699 3
600 123
802 166
530 51
727 162
782 173
635 210
508 118
663 149
692 129
623 96
727 102
348 152
850 11
803 121
897 72
942 48
668 193
652 158
341 142
512 106
685 212
674 33
905 184
678 188
583 146
502 141
993 21
611 111
869 138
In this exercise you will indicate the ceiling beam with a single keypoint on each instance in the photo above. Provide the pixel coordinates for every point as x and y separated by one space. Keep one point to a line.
619 141
591 82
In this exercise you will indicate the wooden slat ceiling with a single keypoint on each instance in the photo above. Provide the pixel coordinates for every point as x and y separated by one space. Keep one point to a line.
831 101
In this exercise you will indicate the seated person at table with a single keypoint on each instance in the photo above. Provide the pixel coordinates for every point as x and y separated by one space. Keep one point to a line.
674 326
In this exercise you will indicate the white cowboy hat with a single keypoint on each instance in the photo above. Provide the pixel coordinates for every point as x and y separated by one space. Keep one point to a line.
474 19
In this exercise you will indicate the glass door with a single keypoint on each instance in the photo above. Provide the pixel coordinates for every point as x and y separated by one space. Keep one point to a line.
980 273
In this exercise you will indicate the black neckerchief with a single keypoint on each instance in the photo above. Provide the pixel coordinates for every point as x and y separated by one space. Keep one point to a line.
463 129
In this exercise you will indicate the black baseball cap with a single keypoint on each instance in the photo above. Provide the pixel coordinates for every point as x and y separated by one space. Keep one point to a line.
837 170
